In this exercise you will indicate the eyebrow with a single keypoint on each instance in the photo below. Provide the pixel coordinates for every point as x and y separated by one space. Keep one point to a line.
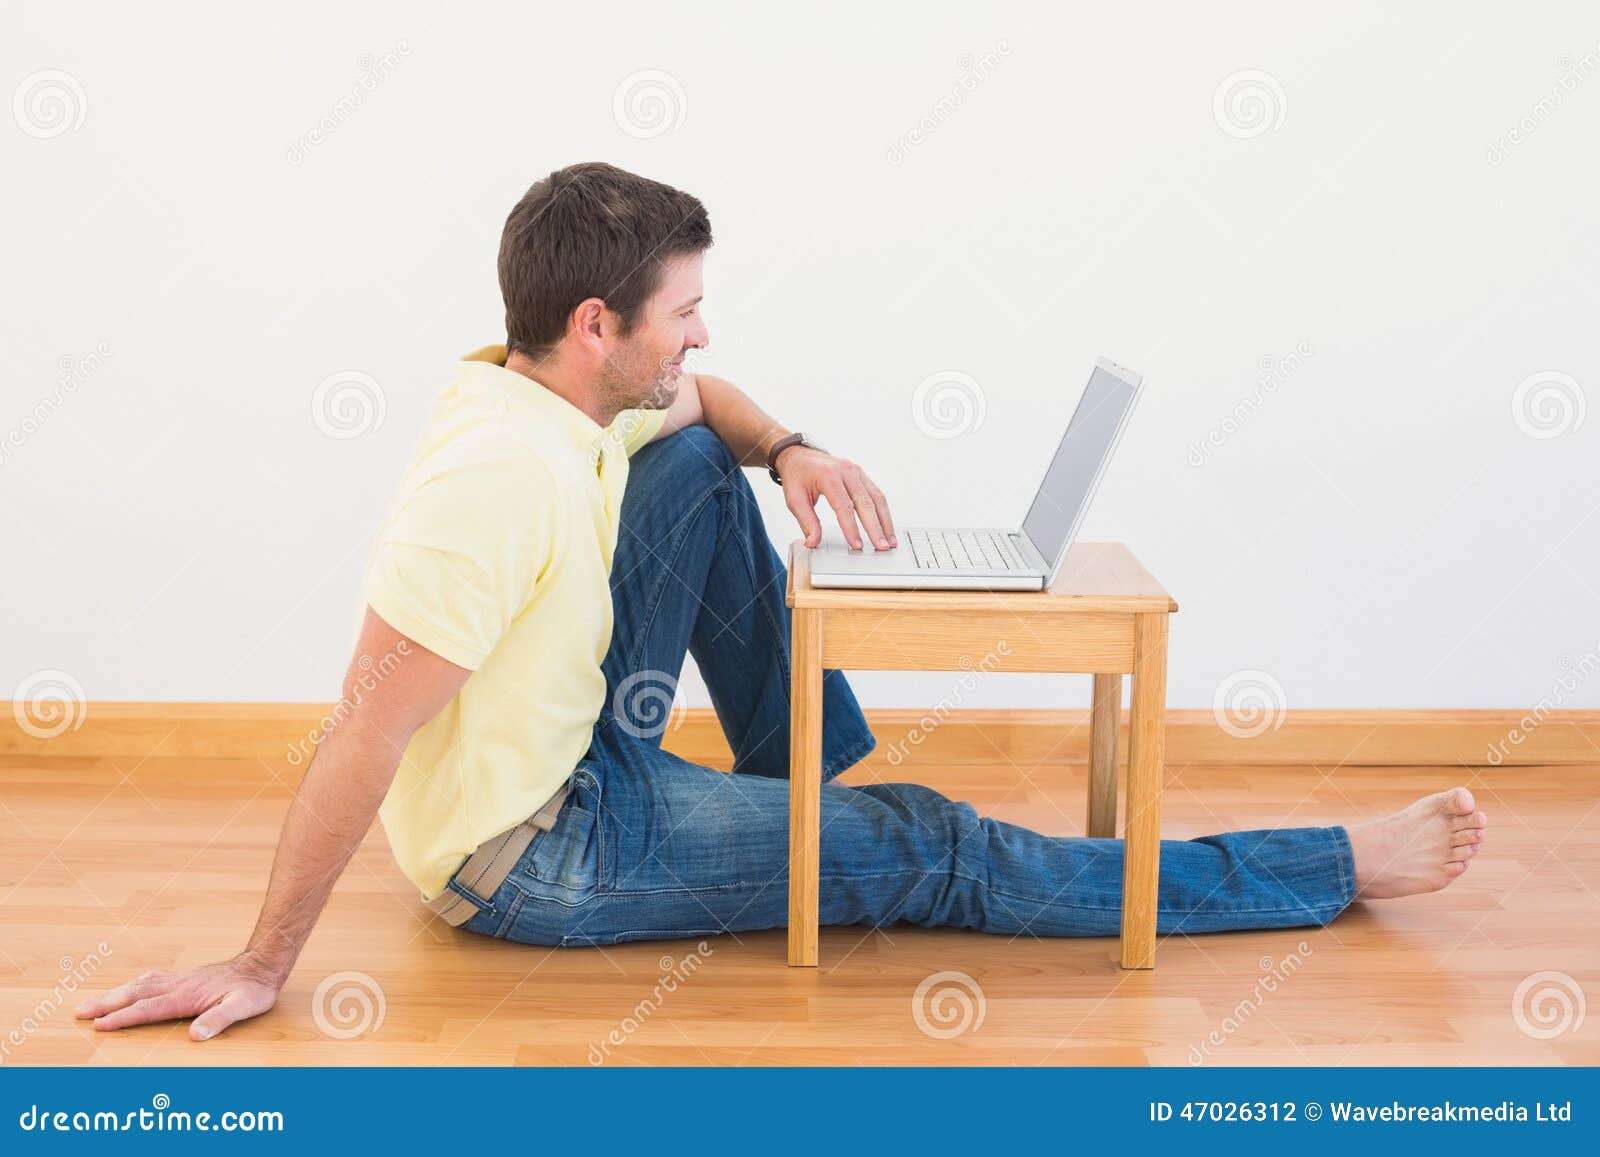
687 304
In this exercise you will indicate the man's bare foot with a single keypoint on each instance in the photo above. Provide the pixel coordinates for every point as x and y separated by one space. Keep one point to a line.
1420 849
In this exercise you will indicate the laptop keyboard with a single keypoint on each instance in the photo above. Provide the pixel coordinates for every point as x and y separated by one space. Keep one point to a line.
959 550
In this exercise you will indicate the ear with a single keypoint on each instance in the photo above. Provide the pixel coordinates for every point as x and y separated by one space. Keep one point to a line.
590 326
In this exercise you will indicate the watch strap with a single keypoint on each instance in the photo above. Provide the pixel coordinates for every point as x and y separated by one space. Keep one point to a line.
779 447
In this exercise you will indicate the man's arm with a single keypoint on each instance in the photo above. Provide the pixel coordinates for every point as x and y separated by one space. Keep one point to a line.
328 818
808 474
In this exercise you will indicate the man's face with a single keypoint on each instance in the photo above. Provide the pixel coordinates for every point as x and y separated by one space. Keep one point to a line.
643 369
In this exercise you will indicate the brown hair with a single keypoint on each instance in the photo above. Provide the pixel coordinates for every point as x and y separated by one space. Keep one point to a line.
590 230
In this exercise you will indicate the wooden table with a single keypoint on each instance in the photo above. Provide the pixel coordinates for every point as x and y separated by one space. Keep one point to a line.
1104 615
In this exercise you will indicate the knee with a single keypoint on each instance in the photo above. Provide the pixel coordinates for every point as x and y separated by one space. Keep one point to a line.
699 443
950 828
693 456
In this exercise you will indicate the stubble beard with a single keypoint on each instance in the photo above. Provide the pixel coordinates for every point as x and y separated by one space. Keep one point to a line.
638 384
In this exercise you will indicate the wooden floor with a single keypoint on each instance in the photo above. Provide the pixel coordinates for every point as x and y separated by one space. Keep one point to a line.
163 862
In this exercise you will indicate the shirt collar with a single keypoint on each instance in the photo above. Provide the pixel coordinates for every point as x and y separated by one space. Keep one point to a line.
487 367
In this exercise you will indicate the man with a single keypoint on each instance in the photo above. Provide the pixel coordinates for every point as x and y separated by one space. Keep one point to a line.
530 601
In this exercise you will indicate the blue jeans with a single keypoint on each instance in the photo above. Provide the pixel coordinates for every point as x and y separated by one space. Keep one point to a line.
651 846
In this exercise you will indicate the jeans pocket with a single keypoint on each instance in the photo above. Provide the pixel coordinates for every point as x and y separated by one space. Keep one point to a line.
571 856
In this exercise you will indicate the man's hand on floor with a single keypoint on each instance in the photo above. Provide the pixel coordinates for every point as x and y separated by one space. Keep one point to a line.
809 474
216 995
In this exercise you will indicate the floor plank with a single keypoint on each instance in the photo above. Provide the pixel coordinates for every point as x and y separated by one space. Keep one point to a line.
163 863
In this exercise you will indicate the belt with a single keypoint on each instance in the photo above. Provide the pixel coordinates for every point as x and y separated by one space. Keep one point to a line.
487 868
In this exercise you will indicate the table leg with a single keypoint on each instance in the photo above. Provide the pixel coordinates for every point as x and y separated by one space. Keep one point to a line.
1142 834
805 785
1104 720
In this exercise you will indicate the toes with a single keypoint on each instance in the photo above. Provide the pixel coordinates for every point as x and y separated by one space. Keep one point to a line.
1458 801
1449 872
1466 836
1462 852
1477 821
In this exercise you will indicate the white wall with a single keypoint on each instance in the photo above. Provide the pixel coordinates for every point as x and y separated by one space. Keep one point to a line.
1381 532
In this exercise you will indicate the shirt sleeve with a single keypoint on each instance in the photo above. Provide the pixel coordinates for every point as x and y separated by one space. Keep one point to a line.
462 552
635 428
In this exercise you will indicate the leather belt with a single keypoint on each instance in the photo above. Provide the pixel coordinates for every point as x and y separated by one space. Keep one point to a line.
487 868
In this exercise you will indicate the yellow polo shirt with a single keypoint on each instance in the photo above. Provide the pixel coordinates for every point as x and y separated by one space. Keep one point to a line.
496 554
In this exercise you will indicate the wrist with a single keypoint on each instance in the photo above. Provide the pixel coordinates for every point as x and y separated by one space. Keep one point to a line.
267 968
781 448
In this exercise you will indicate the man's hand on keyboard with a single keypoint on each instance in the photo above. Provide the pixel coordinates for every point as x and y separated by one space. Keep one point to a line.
809 474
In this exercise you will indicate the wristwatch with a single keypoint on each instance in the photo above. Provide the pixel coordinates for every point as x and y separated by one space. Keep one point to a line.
783 444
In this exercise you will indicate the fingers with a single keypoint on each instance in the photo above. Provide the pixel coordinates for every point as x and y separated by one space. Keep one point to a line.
229 1010
141 986
882 504
217 995
147 1011
850 493
839 498
799 504
866 507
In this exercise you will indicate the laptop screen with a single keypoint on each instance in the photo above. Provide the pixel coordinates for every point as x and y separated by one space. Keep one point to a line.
1075 471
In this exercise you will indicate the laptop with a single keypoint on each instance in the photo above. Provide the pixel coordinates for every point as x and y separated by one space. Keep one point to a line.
1023 559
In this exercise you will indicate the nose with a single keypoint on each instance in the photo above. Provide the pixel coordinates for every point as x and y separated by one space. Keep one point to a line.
698 336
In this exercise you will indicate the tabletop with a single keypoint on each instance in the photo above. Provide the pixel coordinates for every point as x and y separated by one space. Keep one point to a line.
1097 576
